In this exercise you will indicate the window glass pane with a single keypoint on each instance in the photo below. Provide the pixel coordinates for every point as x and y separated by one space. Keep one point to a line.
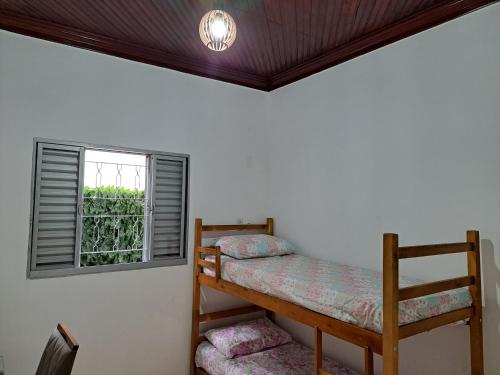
113 208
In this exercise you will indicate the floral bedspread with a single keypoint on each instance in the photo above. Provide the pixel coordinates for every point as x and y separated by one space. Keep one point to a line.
288 359
350 294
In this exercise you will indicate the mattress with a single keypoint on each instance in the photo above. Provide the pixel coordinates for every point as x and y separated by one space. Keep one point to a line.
288 359
350 294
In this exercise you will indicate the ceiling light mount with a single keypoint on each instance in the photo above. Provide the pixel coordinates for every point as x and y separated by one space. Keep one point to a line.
217 30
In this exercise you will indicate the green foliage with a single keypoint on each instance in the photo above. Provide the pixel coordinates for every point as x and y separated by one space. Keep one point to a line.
113 233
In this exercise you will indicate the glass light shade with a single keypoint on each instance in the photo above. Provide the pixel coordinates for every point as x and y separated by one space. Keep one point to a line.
217 30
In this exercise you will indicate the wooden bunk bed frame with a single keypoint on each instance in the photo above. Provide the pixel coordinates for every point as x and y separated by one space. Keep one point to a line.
385 344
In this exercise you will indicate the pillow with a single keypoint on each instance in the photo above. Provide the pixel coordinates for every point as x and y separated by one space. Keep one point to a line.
254 246
247 337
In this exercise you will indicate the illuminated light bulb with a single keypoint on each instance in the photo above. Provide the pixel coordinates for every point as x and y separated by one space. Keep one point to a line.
217 30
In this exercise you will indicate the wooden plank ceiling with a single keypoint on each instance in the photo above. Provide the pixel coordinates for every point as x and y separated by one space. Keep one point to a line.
278 41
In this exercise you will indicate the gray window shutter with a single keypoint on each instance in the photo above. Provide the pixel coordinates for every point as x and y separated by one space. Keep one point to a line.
56 223
169 211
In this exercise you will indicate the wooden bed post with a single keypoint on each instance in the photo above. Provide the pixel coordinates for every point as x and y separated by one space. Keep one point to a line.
270 232
195 325
390 333
369 368
475 323
270 226
318 352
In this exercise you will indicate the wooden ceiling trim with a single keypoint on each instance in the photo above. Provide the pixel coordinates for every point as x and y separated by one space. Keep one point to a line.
78 38
378 38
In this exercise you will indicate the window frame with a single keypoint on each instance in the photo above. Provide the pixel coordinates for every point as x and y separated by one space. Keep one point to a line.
182 259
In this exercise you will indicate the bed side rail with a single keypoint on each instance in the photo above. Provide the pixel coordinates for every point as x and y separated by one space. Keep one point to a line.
231 312
393 294
472 279
268 227
435 287
406 252
201 262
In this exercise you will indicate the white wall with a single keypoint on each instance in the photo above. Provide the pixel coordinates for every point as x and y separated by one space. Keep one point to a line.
133 322
404 139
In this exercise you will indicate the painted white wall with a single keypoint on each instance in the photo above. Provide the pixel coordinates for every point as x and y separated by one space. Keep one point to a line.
132 322
404 139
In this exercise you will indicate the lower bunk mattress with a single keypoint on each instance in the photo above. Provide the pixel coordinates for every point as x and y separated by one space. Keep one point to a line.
287 359
350 294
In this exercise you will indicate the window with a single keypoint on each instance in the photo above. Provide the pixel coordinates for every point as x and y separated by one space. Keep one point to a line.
101 208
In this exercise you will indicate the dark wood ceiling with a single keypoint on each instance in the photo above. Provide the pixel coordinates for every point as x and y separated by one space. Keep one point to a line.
278 41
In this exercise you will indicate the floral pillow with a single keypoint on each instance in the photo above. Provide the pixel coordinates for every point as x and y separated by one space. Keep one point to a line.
247 337
254 246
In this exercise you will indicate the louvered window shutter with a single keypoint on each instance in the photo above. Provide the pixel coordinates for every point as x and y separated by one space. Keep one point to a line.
57 192
169 211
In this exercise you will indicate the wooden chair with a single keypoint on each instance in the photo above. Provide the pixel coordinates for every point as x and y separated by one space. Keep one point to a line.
59 354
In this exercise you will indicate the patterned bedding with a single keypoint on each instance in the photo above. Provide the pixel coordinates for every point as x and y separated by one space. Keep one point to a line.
350 294
288 359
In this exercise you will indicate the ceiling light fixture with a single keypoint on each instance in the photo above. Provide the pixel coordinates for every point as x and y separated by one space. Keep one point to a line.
217 30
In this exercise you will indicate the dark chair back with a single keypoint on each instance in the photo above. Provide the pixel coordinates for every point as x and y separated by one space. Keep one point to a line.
59 354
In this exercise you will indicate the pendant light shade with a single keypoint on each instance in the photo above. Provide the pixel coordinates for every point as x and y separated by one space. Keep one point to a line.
217 30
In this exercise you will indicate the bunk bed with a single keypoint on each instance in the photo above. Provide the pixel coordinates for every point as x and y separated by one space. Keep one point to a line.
210 271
